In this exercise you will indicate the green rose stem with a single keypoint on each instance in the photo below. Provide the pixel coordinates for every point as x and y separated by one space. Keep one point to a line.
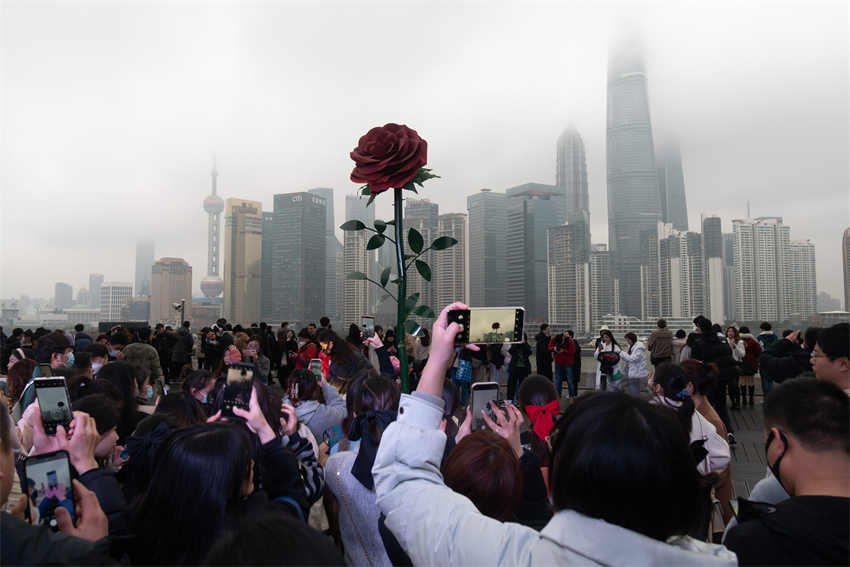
402 294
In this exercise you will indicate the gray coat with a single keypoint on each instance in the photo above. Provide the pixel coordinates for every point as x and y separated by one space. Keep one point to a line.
321 417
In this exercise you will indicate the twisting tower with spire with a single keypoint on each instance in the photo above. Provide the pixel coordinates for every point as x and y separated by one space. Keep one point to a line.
213 285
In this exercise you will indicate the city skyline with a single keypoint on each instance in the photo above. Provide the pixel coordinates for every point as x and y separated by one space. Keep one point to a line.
158 170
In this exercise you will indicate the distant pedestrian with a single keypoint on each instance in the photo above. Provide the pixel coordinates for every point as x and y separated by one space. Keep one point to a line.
544 357
660 343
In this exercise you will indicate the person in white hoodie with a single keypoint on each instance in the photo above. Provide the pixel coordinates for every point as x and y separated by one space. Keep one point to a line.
624 485
636 370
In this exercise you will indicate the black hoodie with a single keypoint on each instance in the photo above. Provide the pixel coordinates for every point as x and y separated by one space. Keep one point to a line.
803 530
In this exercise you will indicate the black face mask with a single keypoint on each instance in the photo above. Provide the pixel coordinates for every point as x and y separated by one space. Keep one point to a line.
774 468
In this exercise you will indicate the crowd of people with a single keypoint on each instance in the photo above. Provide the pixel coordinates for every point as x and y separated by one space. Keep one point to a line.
329 463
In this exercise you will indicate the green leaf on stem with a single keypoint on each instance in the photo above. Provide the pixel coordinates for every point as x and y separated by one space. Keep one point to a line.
385 277
380 226
415 240
425 312
423 175
356 276
371 198
424 270
376 241
365 190
410 303
352 225
443 242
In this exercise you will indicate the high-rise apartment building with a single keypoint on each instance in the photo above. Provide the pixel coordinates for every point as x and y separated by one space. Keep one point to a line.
243 245
845 260
144 263
331 309
532 208
712 239
449 266
803 280
487 268
358 295
761 269
83 297
604 296
673 279
114 296
634 205
569 277
671 187
422 215
298 257
63 295
95 281
171 282
729 276
266 302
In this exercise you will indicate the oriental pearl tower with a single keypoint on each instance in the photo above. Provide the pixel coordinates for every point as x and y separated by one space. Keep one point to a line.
213 285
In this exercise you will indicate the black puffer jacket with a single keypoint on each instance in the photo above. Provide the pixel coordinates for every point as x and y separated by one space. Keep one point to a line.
708 348
784 359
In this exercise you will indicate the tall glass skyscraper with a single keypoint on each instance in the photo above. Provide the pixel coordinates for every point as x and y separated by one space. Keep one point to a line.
634 206
571 176
671 186
487 221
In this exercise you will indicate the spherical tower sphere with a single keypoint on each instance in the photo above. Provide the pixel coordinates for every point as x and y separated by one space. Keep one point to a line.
213 204
212 286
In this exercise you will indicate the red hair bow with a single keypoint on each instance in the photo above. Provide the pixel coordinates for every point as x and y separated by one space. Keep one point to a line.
543 417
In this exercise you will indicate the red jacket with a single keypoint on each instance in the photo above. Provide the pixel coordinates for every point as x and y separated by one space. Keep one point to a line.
565 353
305 355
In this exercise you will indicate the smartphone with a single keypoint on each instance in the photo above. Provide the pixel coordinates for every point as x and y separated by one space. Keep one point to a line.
54 403
47 479
482 393
237 388
315 367
488 325
332 437
367 323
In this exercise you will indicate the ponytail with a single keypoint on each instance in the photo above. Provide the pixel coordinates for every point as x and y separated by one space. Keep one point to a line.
673 379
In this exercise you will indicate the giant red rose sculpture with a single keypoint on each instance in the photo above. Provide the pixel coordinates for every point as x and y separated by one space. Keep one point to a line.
393 157
388 157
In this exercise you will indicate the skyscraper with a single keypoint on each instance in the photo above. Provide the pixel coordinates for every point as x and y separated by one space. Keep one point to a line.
673 279
113 296
358 294
144 263
63 295
243 240
331 243
569 277
213 285
671 187
487 221
422 215
761 268
604 297
712 238
634 205
571 177
95 281
171 282
803 279
298 257
531 209
266 301
845 257
449 266
729 276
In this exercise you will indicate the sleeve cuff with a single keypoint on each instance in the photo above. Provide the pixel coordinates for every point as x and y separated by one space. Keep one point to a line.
423 411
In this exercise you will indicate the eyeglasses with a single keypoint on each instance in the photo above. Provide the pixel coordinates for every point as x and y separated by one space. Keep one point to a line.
815 355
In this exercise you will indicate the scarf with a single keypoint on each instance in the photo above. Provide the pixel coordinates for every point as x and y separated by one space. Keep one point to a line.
362 468
543 417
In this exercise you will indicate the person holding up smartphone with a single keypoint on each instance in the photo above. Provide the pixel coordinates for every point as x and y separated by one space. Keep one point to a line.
24 544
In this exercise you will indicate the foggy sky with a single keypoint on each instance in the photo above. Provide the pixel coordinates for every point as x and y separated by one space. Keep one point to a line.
110 112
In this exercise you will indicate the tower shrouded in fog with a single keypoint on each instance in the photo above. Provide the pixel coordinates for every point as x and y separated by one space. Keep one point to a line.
213 285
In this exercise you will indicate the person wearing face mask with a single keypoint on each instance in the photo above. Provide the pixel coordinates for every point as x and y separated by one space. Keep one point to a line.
307 350
807 447
98 355
199 385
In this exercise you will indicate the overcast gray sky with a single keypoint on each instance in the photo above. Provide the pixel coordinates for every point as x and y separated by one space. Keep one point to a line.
110 112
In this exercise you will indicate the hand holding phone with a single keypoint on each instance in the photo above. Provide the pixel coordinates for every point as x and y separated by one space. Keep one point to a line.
488 325
238 387
255 420
47 479
53 402
481 394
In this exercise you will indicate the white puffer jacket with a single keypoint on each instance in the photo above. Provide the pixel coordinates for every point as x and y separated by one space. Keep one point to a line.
636 361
